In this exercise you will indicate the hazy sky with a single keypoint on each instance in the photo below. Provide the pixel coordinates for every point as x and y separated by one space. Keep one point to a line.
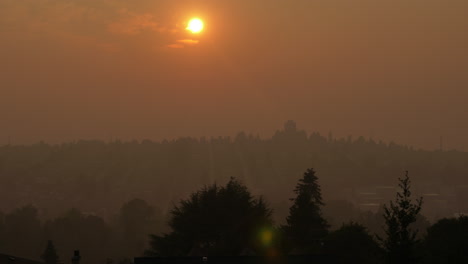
80 69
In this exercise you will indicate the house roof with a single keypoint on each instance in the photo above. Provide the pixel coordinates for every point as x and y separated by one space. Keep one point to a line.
299 259
8 259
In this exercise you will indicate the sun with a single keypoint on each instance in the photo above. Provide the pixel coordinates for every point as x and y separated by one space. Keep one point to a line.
195 25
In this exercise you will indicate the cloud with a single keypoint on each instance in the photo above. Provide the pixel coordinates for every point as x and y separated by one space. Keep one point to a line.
101 24
176 46
133 24
188 41
182 43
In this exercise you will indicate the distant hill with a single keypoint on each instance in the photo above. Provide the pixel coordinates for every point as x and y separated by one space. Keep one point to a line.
99 177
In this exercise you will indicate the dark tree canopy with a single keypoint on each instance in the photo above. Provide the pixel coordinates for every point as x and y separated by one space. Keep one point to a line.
137 220
50 254
447 241
400 239
2 230
305 225
22 232
353 244
214 221
75 230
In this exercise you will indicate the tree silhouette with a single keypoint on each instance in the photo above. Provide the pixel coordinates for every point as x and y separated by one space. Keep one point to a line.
400 242
305 225
50 254
352 243
23 232
214 221
2 231
447 240
76 230
138 220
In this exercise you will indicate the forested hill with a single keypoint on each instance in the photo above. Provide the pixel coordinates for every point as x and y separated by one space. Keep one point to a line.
99 177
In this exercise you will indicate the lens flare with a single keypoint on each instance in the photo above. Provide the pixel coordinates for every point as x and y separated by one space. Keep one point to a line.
266 237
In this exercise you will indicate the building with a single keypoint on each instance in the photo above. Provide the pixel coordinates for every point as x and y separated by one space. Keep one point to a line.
299 259
7 259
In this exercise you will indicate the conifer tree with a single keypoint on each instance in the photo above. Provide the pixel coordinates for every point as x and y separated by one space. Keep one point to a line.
305 225
50 254
400 242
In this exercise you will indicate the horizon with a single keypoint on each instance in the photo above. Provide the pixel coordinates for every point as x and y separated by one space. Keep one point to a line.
118 69
232 137
234 127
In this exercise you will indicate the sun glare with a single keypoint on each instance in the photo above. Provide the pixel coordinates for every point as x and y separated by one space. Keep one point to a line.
195 25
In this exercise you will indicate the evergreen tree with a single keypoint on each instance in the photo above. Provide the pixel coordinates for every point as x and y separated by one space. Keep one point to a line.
305 225
400 242
50 254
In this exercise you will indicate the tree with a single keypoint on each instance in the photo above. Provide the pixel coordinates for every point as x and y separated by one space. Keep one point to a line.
447 240
50 254
23 232
214 221
2 232
75 230
401 240
138 220
305 225
352 243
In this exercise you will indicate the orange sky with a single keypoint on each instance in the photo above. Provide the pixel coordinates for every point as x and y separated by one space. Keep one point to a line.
394 70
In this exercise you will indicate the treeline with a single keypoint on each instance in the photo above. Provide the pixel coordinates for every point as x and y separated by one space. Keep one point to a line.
23 234
229 221
99 177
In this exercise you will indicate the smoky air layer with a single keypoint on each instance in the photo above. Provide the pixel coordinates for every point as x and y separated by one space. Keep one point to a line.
107 70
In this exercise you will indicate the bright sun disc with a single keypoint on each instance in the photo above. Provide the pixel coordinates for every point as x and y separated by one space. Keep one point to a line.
195 25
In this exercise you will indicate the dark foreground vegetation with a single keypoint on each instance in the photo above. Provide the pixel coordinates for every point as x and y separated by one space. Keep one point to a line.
106 198
229 221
